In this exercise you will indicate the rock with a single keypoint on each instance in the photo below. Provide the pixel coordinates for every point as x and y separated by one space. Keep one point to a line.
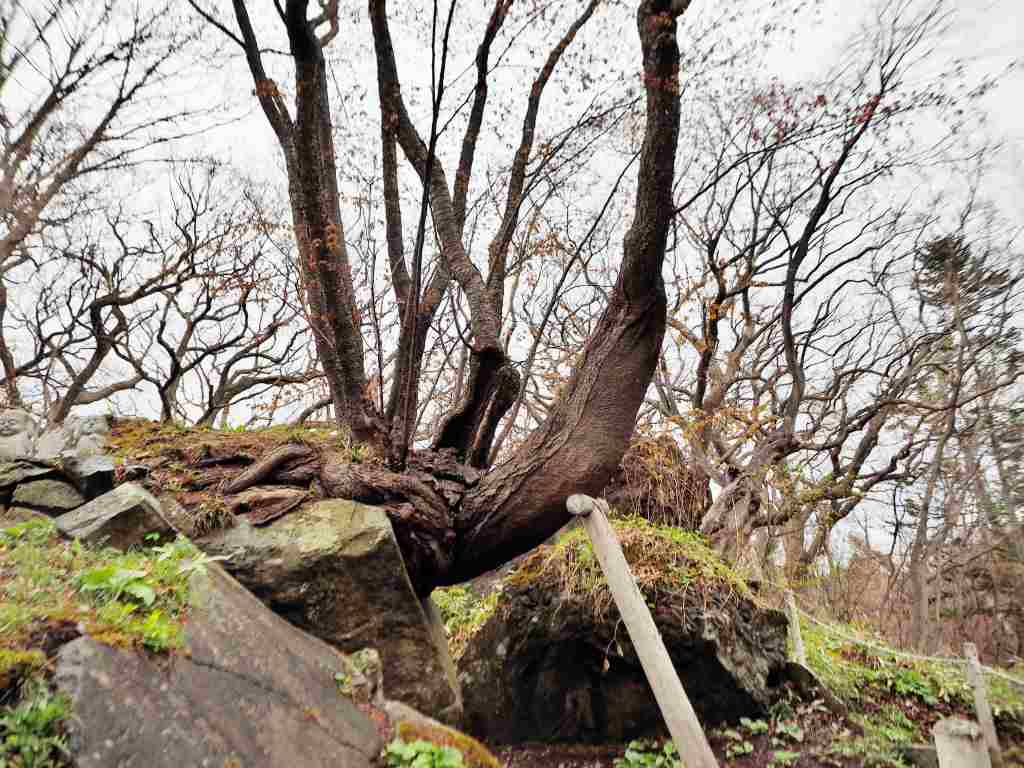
175 514
919 755
93 475
77 436
409 726
54 442
19 470
554 662
960 744
333 568
135 472
809 687
122 518
18 431
48 495
246 690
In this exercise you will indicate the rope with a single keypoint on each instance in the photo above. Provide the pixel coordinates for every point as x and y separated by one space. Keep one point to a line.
904 654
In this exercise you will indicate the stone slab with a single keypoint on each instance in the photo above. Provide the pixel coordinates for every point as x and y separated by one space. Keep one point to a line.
122 518
333 568
247 690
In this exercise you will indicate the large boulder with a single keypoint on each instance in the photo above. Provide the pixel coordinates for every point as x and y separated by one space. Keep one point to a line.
555 663
92 475
122 518
247 690
333 568
21 470
48 495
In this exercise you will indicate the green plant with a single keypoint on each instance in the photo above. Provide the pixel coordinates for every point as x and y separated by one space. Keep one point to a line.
30 733
738 749
782 757
185 554
359 453
892 724
463 613
113 582
647 754
421 754
128 598
753 726
787 730
36 531
737 745
159 632
473 753
344 682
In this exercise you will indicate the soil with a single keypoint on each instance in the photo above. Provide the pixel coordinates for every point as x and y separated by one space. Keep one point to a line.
823 737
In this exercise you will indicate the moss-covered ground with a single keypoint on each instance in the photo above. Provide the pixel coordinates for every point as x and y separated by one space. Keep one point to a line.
896 700
192 464
134 439
52 591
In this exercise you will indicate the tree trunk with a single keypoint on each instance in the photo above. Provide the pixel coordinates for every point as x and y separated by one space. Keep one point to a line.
10 369
522 502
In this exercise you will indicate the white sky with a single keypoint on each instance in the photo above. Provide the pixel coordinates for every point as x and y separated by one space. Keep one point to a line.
988 36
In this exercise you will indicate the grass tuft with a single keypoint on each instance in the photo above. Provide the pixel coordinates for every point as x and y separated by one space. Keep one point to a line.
672 567
134 598
464 612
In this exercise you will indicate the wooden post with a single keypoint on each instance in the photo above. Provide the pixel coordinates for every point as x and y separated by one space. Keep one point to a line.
988 726
794 629
959 744
675 706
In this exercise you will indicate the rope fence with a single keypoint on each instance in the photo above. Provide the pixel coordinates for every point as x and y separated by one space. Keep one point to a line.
882 649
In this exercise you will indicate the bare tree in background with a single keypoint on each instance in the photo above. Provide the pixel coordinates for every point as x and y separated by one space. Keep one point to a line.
232 334
798 367
75 121
96 295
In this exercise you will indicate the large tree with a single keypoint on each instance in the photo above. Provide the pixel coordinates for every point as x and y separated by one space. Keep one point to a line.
454 515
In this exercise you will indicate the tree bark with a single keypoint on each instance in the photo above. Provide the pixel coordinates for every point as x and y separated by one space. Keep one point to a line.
522 502
308 147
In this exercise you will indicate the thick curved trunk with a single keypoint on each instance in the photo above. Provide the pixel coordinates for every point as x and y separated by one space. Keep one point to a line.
453 522
521 503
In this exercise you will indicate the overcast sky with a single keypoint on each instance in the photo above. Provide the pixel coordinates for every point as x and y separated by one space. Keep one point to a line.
988 36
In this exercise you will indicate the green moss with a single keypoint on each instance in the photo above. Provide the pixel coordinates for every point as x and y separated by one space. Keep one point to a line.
463 612
18 664
134 598
865 675
475 754
671 566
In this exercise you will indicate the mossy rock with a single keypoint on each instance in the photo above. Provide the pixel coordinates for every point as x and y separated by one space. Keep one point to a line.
554 662
475 754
